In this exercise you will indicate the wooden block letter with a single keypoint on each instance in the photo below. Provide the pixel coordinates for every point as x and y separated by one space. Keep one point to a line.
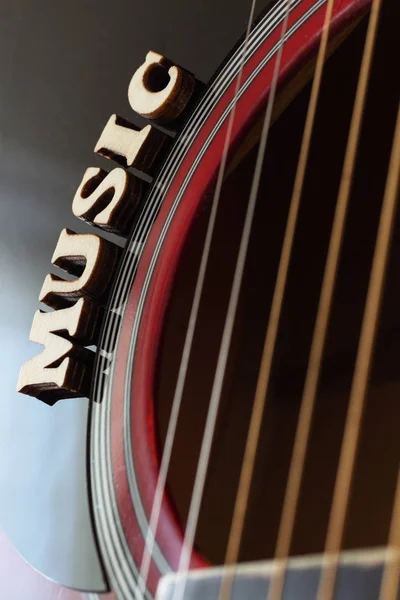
160 90
126 144
63 369
108 200
88 257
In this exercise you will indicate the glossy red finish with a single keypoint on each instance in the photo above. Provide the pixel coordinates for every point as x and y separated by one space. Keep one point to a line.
169 535
19 580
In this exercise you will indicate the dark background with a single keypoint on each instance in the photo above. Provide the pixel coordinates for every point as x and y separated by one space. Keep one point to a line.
64 68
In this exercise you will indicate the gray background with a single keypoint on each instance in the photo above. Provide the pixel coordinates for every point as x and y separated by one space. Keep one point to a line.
64 68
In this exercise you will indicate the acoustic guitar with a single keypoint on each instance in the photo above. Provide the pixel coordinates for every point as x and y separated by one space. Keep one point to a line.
230 306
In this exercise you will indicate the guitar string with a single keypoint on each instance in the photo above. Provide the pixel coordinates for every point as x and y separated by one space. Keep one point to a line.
128 571
221 184
302 434
275 14
352 428
370 323
209 440
186 352
296 469
260 399
391 574
208 436
294 27
347 186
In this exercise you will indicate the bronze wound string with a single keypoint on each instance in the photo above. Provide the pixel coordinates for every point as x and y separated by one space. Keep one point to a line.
391 575
242 496
353 423
296 468
205 450
178 394
252 441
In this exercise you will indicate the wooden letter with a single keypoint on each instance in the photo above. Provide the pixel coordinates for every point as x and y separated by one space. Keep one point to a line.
159 90
108 200
88 257
63 369
128 145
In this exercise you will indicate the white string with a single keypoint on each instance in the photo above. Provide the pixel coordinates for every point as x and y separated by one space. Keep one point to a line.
201 473
177 400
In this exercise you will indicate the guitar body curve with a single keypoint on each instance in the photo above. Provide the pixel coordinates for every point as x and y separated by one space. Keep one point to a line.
124 450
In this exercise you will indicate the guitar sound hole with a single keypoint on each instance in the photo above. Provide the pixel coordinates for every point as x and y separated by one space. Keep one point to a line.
379 452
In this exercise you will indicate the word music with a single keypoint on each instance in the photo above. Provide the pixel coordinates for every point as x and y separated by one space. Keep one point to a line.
159 91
